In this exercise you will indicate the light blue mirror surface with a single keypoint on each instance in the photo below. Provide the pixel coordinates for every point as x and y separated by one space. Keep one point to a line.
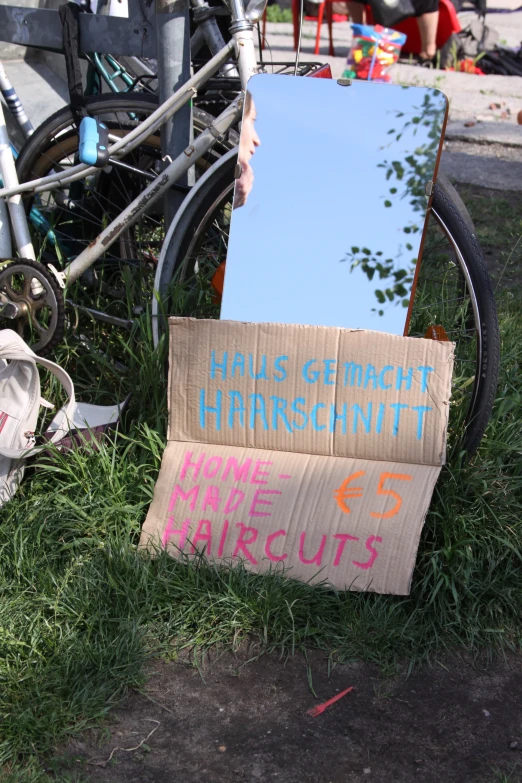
330 208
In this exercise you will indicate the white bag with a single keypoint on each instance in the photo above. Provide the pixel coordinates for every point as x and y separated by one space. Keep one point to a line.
20 402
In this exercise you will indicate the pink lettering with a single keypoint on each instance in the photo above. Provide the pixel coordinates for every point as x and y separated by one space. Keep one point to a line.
241 543
223 539
257 472
317 557
203 536
240 471
3 419
257 501
177 492
169 532
234 500
343 538
268 551
373 555
210 471
211 498
187 464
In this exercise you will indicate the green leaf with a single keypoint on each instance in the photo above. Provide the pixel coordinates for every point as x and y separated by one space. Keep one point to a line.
387 203
380 296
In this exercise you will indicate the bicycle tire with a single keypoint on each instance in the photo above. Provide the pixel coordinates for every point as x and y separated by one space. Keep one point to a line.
99 104
477 305
103 291
450 210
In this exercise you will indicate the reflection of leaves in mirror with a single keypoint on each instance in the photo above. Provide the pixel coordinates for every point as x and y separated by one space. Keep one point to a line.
408 177
375 267
413 171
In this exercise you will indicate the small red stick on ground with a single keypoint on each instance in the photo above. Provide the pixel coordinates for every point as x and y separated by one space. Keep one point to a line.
315 711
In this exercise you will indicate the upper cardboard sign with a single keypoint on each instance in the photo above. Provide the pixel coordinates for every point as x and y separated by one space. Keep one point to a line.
313 390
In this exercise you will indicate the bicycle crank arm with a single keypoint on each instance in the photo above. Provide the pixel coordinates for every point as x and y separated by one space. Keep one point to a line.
98 315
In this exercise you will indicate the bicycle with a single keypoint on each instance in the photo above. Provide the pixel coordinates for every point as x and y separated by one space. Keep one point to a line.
202 223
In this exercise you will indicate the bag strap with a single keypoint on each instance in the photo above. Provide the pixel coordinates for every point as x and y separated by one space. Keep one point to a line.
13 348
69 14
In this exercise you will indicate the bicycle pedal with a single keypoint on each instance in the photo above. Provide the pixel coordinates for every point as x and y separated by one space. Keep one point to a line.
94 143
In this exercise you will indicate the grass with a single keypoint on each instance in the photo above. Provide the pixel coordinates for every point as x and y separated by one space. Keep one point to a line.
498 221
82 611
274 13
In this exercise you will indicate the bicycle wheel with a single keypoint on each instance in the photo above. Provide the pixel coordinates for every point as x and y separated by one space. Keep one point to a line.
453 300
118 287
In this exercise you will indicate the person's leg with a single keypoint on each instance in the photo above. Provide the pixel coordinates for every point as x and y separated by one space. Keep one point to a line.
356 12
428 24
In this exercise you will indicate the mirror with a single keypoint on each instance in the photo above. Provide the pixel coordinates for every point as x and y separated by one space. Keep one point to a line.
330 207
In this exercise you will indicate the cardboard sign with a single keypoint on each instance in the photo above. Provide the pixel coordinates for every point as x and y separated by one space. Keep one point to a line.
313 447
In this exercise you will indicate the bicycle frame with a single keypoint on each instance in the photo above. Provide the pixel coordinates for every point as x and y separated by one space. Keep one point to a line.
242 45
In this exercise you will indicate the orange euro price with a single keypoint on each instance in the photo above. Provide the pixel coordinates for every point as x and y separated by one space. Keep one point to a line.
345 492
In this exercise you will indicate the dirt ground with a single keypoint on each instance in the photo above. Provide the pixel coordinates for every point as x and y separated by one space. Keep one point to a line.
248 723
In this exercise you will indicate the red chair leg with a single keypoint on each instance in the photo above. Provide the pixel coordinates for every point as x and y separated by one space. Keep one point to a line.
320 12
329 18
296 13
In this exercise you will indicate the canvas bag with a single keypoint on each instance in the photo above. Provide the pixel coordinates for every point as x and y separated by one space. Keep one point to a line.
20 402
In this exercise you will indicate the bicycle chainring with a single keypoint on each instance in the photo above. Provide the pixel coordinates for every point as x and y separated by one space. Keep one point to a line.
31 303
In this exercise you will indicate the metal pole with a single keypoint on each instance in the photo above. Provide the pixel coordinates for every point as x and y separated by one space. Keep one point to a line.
173 44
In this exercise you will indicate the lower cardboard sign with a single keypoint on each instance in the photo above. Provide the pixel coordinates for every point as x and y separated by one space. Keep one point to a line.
353 523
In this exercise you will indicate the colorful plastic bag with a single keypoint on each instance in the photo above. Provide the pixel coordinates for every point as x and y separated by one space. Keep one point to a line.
374 50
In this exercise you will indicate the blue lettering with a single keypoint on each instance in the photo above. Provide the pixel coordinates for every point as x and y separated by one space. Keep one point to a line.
370 375
366 420
401 376
424 371
310 376
382 385
329 371
278 411
313 417
207 409
239 408
334 417
216 366
421 410
380 417
278 368
257 411
239 364
295 409
355 372
397 407
260 376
